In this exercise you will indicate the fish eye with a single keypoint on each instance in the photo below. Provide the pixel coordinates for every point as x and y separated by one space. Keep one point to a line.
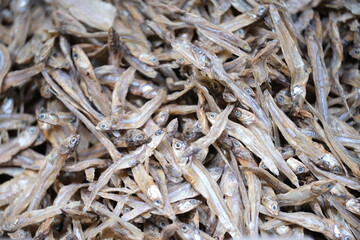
154 59
280 99
184 228
162 224
75 55
262 8
197 49
41 116
300 169
237 113
126 210
188 133
274 207
248 90
296 103
32 130
73 140
157 202
158 132
347 238
139 137
70 237
193 201
40 137
356 51
103 126
215 85
240 31
212 115
336 169
178 145
328 185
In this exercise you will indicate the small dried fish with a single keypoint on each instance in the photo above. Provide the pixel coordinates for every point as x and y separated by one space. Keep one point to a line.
93 88
297 67
133 120
25 139
200 179
269 200
198 119
136 157
52 164
305 193
5 63
314 223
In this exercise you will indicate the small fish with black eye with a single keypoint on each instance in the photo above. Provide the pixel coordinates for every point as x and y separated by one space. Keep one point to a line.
131 138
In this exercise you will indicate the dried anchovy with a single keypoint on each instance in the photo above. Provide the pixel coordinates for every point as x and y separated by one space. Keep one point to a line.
183 119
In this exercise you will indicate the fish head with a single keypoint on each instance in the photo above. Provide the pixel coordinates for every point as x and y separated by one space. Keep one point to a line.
187 204
135 137
297 166
353 205
320 187
107 123
269 200
49 117
149 59
211 116
69 144
28 136
155 196
272 206
244 116
80 59
329 162
178 147
342 233
260 10
189 231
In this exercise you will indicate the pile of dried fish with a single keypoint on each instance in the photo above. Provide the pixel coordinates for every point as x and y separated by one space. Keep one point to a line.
161 119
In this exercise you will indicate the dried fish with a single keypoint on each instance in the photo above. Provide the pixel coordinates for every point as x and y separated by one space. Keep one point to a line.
198 119
200 179
133 120
297 67
269 200
102 13
53 162
305 193
5 62
14 146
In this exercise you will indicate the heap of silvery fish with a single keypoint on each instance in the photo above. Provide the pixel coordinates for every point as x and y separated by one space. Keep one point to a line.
181 119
